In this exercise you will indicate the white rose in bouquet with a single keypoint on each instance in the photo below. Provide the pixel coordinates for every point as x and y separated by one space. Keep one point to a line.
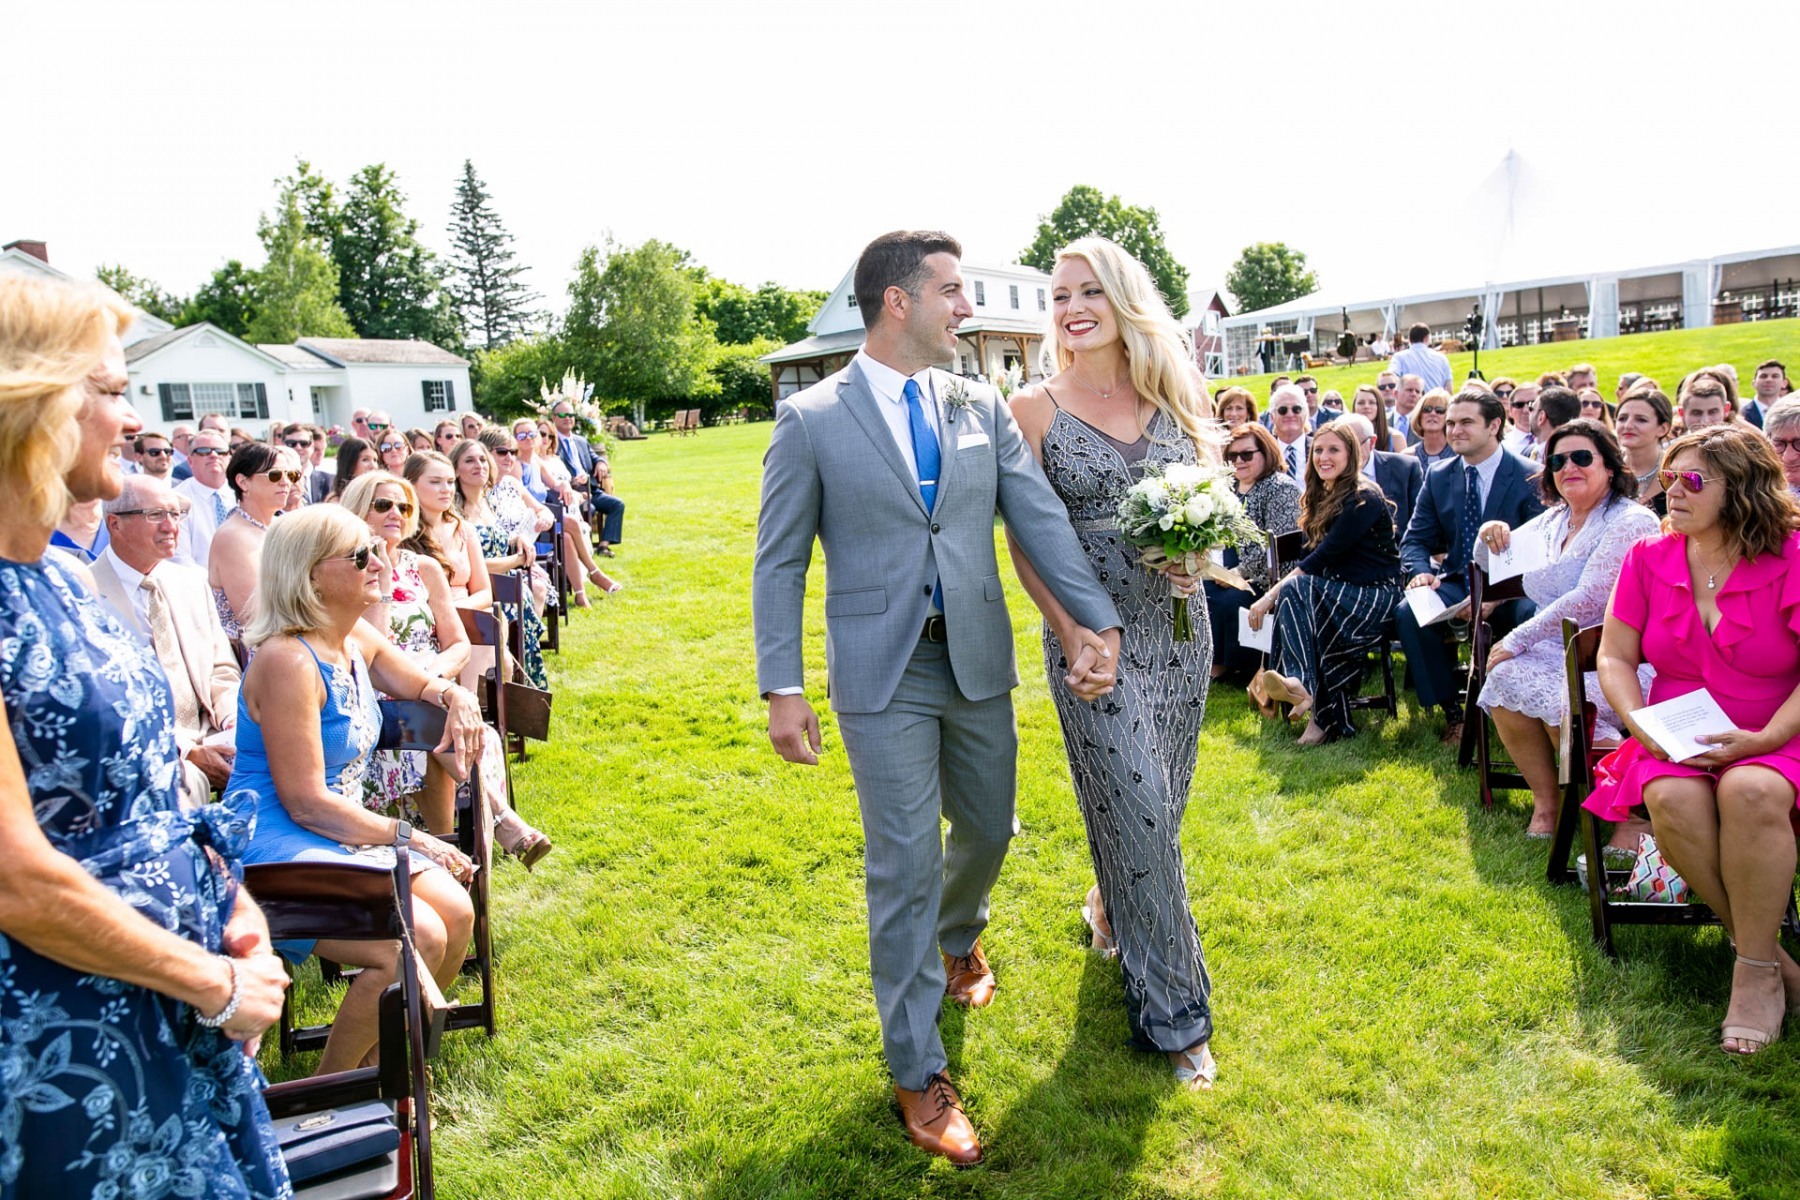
1199 509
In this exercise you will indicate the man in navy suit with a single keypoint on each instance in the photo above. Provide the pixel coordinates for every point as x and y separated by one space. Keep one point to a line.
1399 476
586 469
1484 482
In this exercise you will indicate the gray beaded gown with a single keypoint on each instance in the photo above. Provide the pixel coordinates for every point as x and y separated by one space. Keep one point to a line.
1131 753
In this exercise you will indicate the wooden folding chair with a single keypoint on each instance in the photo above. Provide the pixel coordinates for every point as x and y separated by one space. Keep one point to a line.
1286 549
560 580
527 708
1504 777
1578 758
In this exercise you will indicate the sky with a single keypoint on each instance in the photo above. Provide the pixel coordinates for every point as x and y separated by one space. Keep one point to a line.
772 141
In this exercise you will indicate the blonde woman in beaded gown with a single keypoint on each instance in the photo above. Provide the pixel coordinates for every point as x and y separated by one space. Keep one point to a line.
1125 399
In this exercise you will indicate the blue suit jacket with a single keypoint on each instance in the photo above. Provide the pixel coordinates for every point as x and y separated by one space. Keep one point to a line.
577 455
1400 477
1513 498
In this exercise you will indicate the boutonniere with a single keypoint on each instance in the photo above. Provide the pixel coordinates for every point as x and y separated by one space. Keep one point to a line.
956 398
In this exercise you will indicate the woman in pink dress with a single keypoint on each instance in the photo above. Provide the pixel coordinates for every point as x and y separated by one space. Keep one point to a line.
1715 603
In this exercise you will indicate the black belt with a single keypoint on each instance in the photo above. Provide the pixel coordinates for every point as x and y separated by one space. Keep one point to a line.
935 630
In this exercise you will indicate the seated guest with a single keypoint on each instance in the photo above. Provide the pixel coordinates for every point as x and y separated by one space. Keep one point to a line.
472 425
520 513
1782 425
208 497
1707 397
263 479
419 616
1554 407
444 439
1484 482
546 475
156 457
312 686
591 473
1406 401
443 534
1594 407
167 605
1366 402
1272 501
1336 603
503 551
315 479
1715 603
354 457
1331 406
1433 445
239 438
392 449
1236 405
418 439
134 966
1591 521
1770 384
1399 476
1642 424
1519 399
1287 421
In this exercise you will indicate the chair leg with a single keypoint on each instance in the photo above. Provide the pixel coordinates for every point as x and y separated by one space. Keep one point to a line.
1596 861
1567 822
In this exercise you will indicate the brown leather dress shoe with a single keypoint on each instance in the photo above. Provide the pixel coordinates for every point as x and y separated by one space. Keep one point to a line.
968 979
936 1122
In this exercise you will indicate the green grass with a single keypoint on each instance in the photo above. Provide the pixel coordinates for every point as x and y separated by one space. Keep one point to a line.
1665 357
1404 1008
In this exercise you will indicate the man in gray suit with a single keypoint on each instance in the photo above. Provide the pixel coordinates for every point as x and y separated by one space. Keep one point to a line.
897 470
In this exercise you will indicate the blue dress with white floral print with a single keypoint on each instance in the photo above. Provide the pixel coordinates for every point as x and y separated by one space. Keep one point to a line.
107 1089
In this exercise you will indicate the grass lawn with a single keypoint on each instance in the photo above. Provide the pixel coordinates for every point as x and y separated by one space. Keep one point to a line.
1665 357
1404 1008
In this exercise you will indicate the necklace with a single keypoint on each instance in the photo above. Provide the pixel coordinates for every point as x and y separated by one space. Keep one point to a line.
1712 575
239 510
1106 395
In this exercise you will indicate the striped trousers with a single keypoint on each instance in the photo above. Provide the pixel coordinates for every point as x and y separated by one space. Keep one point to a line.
1324 630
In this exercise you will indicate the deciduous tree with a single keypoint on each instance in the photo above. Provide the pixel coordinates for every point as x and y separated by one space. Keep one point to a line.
1085 211
141 292
633 322
295 292
389 285
1267 274
227 300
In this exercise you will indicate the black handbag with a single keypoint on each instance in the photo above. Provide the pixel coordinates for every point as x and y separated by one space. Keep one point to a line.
342 1144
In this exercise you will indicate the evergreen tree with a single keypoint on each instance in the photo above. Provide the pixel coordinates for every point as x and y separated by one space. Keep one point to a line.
388 284
294 294
491 303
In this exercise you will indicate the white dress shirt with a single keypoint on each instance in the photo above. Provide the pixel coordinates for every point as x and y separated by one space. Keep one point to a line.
1298 473
889 388
202 522
1485 470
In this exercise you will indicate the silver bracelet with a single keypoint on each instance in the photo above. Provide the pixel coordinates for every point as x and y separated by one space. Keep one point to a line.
231 1006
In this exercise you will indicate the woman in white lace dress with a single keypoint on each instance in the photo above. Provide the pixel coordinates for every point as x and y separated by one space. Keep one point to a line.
1590 524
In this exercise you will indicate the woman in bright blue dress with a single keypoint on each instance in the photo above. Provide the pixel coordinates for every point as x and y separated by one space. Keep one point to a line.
132 970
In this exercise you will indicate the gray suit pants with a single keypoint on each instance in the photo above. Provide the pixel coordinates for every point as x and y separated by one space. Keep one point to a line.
930 752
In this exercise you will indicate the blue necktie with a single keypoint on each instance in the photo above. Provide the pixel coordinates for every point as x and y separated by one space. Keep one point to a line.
1471 522
219 510
926 457
1293 462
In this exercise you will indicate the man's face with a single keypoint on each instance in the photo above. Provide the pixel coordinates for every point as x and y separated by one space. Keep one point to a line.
1467 433
378 423
299 439
146 534
1310 389
1705 406
359 423
1388 385
157 456
206 458
1411 388
182 437
1580 381
563 417
1519 405
1786 441
1289 413
940 306
1771 382
216 423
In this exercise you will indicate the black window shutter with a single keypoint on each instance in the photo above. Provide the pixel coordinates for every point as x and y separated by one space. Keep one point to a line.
262 402
425 387
165 394
449 395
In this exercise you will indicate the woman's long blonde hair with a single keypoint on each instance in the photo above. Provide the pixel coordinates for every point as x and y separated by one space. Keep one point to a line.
1157 349
52 337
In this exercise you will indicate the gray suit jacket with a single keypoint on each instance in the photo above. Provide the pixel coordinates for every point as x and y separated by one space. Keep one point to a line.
833 473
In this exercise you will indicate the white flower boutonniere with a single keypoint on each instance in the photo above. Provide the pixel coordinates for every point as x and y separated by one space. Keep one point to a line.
956 398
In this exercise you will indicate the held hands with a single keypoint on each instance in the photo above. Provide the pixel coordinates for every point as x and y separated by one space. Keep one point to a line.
1094 667
794 729
1495 535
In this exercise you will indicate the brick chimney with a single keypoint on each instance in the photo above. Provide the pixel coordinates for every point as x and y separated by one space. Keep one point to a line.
37 250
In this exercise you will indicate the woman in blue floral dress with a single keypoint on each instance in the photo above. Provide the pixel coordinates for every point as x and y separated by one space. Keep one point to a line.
132 970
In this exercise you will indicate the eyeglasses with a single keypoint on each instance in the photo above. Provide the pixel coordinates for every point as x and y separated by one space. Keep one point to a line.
376 426
163 453
1433 409
1387 387
1289 409
1240 456
530 435
278 476
1783 445
383 504
1581 458
359 558
299 445
155 516
208 452
1691 481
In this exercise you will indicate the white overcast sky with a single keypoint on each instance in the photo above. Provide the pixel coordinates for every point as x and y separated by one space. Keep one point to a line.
772 140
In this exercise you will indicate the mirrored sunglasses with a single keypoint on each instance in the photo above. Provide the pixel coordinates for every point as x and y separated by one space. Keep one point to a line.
1692 481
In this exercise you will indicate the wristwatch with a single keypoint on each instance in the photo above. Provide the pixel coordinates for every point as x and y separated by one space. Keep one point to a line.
403 832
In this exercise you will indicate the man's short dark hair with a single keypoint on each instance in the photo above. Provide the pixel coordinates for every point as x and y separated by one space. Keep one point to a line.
1559 405
143 439
1418 332
1300 379
896 259
1278 381
1773 362
1489 404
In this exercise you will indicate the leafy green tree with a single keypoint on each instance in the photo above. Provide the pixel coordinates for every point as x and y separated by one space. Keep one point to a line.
492 304
389 285
632 324
141 292
743 380
227 300
506 379
317 198
294 294
1267 274
741 316
1084 212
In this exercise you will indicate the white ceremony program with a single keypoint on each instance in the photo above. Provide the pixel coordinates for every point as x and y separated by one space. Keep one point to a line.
1527 550
1429 608
1674 724
1256 639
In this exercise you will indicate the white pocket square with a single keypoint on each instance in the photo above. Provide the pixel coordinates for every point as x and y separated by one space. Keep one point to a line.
965 440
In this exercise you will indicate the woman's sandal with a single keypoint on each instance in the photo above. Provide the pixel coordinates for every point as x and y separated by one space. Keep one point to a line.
531 848
1759 1039
1195 1069
1091 911
604 582
1277 688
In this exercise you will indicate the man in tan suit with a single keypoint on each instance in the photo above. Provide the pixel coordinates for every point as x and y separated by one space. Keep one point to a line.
170 606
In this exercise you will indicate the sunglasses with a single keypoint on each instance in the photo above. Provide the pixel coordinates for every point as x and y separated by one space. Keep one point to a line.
506 454
208 452
1520 405
1504 395
562 416
278 476
1581 458
1387 387
383 504
1691 481
163 453
298 445
376 426
1240 456
359 558
1310 391
1439 411
530 435
1289 408
387 446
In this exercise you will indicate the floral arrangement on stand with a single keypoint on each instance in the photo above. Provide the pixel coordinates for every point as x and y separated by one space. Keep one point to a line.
578 393
1178 516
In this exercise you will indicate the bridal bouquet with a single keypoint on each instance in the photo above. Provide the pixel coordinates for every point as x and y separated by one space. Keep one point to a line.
1178 517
